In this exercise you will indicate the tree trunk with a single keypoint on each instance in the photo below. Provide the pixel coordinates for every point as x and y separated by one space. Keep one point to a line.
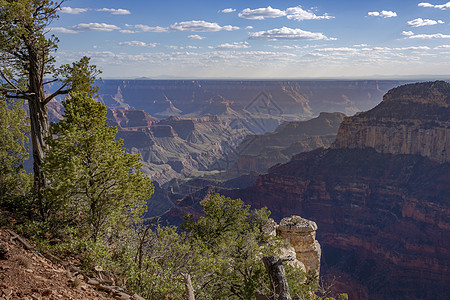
277 274
39 131
189 290
39 122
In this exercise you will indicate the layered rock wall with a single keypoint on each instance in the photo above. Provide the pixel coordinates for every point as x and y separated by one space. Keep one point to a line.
410 120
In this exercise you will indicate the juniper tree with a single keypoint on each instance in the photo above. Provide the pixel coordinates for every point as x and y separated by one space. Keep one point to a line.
94 183
26 59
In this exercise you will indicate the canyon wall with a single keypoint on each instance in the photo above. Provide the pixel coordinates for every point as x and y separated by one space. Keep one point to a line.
412 119
380 197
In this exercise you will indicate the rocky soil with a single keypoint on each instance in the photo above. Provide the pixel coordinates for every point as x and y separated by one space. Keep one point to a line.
27 274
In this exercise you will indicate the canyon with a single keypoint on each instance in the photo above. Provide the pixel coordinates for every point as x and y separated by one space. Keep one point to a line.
380 197
383 213
174 147
258 106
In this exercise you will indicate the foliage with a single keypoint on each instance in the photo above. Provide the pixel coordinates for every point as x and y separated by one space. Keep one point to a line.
233 234
91 183
26 58
80 76
14 180
22 38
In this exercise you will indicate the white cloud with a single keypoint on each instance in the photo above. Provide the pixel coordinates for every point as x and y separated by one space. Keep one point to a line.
114 11
430 36
230 28
439 6
200 26
235 45
442 47
249 27
261 13
419 22
299 14
72 10
383 14
146 28
196 26
228 10
286 47
95 27
286 33
62 30
196 37
126 31
137 44
294 13
407 33
182 47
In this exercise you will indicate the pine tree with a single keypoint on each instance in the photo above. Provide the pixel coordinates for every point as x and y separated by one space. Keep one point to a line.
93 182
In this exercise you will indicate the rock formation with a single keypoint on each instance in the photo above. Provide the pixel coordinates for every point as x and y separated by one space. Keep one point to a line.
301 234
259 152
412 119
174 147
383 213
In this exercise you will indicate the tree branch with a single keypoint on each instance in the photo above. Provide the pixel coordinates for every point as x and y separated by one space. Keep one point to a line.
60 91
51 81
19 90
26 97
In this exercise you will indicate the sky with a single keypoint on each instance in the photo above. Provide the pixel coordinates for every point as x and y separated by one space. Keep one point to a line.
257 39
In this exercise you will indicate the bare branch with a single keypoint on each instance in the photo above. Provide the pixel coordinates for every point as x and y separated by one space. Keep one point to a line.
19 90
51 81
60 91
26 97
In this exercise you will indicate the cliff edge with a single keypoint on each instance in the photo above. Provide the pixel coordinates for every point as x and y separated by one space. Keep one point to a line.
411 119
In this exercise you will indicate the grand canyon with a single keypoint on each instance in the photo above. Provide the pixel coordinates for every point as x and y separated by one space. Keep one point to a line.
224 150
378 190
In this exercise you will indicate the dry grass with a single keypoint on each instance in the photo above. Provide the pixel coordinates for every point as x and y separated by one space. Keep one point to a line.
23 261
77 283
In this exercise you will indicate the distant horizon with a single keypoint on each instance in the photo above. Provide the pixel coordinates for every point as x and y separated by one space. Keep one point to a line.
343 78
267 39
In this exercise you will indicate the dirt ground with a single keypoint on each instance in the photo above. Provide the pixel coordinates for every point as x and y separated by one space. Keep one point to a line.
28 275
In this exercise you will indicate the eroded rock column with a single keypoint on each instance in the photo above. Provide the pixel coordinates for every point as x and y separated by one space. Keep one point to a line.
301 233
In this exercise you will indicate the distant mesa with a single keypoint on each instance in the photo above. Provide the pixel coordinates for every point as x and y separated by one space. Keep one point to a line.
259 152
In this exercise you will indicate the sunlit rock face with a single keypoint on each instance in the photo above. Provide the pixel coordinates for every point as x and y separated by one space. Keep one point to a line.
412 119
301 234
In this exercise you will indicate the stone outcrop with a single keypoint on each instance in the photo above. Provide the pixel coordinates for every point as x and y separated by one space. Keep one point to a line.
301 234
412 119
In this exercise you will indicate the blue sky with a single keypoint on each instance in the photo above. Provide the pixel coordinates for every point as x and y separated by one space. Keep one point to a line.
257 39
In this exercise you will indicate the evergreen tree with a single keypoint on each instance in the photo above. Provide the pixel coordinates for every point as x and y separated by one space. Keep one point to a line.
93 182
13 130
26 59
232 233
